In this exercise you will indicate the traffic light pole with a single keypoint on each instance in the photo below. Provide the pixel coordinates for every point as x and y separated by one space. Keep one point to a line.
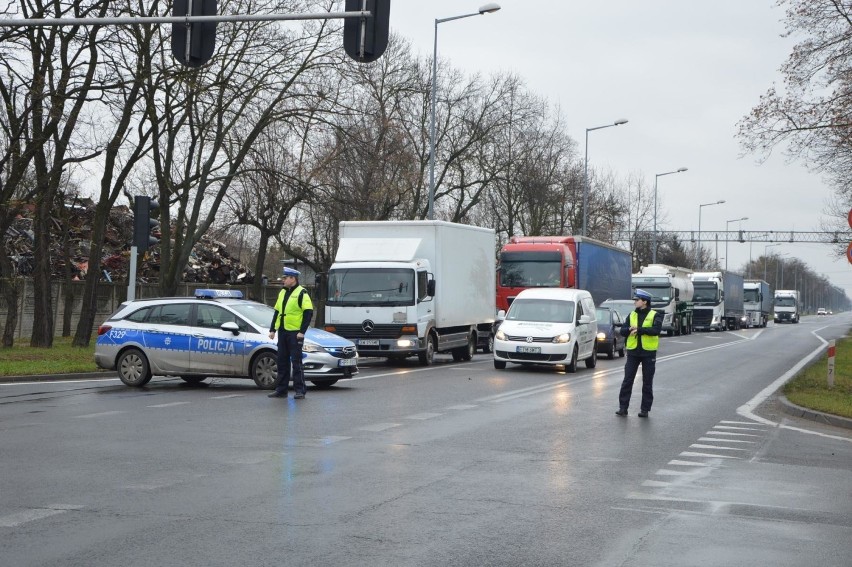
131 280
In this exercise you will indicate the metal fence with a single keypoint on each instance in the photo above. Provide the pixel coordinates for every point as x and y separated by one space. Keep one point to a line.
111 295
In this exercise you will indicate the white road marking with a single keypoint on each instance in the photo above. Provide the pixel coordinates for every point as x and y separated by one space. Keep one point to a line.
33 514
424 415
379 427
170 404
731 433
725 440
711 455
676 463
228 396
323 441
101 414
462 407
735 428
669 472
728 422
656 483
700 446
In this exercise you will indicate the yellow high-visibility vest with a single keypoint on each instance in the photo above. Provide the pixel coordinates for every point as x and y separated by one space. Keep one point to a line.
290 315
649 342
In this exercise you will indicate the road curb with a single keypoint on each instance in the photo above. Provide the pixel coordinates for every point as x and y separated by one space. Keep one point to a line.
814 415
50 377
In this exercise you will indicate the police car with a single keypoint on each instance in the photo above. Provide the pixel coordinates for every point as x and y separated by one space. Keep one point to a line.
215 333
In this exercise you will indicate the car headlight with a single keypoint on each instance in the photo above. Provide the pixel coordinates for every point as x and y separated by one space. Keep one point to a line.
500 336
563 338
312 347
601 336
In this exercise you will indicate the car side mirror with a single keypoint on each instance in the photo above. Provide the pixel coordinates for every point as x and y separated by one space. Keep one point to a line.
501 315
585 319
231 326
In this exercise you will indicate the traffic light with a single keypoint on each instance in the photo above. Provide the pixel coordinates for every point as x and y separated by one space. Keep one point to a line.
193 45
371 34
145 211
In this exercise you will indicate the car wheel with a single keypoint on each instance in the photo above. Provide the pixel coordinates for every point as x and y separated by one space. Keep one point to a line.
572 366
427 357
133 368
614 347
324 384
193 379
264 370
592 361
499 364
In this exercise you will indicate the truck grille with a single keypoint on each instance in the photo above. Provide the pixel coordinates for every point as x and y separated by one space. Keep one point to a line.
702 317
358 332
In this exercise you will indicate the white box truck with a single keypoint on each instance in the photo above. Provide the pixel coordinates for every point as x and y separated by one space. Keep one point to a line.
671 290
406 288
757 300
787 305
718 301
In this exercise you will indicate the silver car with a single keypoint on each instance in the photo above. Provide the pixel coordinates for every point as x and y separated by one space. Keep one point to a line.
215 333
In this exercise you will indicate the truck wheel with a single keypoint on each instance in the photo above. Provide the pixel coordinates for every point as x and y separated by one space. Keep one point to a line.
499 364
592 361
264 370
133 368
471 347
489 347
427 357
572 366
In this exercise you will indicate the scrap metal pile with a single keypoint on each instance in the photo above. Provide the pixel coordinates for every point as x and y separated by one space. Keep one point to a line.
70 236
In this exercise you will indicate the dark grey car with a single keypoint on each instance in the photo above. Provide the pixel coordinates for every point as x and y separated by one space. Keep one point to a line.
609 340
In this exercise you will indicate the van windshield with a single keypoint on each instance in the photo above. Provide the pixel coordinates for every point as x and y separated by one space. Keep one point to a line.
541 311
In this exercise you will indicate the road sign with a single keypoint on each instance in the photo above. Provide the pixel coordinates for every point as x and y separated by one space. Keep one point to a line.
849 252
849 218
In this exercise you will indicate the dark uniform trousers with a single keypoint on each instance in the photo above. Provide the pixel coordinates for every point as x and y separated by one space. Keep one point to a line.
290 353
631 366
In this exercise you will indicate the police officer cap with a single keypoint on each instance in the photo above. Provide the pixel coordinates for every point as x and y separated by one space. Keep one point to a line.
292 272
641 294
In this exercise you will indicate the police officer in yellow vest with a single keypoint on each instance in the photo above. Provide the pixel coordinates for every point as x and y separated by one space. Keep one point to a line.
293 312
642 329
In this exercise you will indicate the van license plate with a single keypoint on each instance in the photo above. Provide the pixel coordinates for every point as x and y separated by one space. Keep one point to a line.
368 342
529 349
347 362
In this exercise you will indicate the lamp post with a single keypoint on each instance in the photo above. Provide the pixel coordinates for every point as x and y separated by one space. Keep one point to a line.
618 122
656 178
484 9
698 251
726 238
765 248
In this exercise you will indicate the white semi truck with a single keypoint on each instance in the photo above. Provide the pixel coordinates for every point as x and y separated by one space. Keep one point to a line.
757 300
718 300
671 289
413 288
787 306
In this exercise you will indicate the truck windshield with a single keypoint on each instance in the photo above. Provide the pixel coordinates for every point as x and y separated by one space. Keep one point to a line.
706 293
515 273
660 295
785 302
751 295
371 286
541 310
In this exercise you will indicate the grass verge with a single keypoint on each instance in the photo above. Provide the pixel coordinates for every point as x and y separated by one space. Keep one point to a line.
24 360
810 388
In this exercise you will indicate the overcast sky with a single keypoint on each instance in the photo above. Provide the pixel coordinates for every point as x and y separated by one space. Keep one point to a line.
683 72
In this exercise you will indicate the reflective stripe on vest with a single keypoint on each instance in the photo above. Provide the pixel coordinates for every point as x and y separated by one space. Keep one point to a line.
292 313
649 342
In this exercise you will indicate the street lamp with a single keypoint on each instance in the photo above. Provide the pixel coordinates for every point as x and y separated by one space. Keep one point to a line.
727 238
765 248
656 178
698 251
484 9
618 122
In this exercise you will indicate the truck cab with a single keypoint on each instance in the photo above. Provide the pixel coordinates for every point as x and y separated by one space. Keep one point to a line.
787 306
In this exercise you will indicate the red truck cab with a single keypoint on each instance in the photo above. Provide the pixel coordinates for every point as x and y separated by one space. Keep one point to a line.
535 261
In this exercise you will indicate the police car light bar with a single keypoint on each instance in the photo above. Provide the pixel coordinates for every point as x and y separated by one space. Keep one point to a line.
214 293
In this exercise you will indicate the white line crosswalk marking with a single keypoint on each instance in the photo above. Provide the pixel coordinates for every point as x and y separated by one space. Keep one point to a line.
33 514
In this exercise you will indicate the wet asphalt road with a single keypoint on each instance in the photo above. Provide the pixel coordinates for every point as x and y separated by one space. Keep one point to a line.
455 464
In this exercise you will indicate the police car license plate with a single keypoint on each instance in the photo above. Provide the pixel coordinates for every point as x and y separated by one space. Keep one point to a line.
346 362
529 349
368 342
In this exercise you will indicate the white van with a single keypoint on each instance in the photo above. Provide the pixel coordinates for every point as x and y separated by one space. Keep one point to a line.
553 326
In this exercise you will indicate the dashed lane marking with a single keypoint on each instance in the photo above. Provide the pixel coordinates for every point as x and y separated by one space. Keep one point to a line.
33 514
424 415
100 414
228 396
379 427
463 407
168 405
